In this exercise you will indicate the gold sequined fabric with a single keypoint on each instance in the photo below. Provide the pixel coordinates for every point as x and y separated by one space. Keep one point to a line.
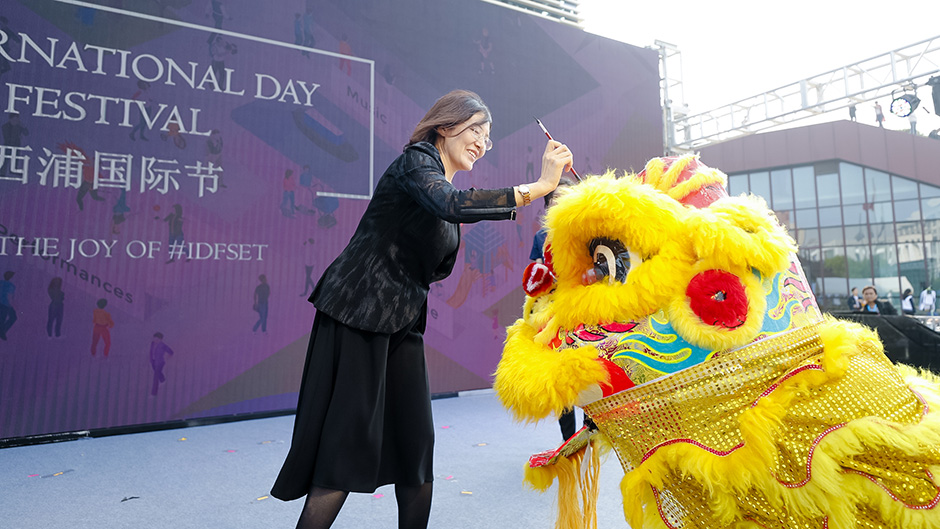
859 414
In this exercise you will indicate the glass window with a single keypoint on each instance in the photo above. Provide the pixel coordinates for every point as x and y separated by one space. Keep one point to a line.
859 258
927 190
932 247
856 234
884 259
782 187
737 184
881 233
877 186
907 210
806 218
760 185
831 237
931 208
834 266
881 212
911 231
932 231
812 263
903 188
786 218
830 216
807 237
827 189
855 214
804 187
853 186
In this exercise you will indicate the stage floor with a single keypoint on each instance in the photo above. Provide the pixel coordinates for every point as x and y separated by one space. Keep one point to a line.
219 477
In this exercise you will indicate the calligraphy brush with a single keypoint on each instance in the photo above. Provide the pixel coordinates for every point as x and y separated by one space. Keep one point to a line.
537 120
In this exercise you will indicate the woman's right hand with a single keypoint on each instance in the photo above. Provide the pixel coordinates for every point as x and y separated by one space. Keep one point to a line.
555 159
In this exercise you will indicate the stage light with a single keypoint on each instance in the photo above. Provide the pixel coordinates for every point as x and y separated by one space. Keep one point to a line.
904 104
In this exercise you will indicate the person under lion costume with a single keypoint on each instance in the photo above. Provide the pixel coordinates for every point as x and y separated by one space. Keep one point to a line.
680 320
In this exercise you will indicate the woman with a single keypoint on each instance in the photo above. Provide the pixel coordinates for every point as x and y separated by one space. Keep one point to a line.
364 411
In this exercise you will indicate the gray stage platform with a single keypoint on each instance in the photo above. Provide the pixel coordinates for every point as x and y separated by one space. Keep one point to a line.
219 476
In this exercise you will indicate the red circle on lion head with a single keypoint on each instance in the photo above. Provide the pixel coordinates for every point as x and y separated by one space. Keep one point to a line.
718 298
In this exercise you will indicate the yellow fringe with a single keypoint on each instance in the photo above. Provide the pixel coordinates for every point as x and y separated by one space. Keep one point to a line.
577 486
534 381
831 491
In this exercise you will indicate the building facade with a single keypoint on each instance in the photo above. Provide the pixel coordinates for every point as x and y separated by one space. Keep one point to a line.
863 203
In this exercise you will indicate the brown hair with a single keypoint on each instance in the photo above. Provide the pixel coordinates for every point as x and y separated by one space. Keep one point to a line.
564 181
870 287
452 109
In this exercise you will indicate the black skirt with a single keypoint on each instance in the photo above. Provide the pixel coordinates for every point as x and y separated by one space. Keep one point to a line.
364 412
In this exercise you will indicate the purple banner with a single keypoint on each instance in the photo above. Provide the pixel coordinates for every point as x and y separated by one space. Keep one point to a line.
176 176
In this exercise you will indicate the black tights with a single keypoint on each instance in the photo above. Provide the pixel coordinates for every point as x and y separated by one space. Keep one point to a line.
322 505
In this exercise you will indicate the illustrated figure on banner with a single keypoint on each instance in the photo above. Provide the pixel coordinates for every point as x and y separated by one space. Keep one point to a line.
214 147
309 259
485 48
158 351
260 303
7 308
56 307
176 244
143 95
102 325
13 131
13 41
289 187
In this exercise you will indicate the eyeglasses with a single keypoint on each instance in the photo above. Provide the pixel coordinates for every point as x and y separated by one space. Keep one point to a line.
478 136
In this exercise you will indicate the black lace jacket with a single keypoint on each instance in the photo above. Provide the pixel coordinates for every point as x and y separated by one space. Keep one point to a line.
407 239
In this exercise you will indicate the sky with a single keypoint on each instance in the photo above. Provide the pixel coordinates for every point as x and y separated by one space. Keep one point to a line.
734 49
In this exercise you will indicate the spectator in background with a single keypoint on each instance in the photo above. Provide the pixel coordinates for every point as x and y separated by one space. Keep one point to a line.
853 302
907 302
880 118
872 305
928 300
852 110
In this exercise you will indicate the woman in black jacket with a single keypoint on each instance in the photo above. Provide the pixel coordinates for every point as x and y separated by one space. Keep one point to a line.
364 411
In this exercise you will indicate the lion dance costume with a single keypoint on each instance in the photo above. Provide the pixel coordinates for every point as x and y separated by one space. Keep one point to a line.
680 320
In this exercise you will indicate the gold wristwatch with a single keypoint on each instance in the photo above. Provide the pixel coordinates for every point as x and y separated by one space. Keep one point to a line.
524 191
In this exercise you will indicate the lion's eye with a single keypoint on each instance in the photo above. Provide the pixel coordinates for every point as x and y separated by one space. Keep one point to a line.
611 259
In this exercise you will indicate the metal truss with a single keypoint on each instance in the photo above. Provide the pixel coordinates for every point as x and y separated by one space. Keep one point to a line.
904 69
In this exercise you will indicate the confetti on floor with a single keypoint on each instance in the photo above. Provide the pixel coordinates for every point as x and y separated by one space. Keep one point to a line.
480 444
32 475
265 442
128 498
448 478
182 439
231 451
262 498
444 427
467 492
378 495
